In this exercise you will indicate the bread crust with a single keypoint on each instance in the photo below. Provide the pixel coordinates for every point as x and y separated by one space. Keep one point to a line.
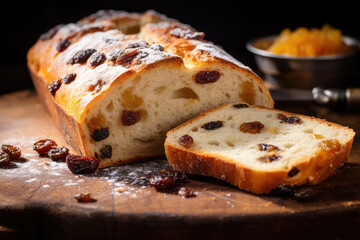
312 169
100 31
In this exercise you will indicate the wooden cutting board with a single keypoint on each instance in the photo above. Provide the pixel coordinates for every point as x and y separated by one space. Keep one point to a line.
37 194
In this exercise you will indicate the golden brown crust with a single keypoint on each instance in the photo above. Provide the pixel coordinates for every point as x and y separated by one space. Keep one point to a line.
312 169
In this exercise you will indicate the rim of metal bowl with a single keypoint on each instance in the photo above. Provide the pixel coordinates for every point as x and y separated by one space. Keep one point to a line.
347 39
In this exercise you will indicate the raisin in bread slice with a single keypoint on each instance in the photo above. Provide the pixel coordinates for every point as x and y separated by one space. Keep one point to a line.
258 149
116 82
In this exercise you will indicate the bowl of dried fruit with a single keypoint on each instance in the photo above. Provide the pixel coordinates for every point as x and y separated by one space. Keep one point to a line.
306 58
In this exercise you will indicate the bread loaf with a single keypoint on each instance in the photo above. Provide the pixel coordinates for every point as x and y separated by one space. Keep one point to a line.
258 149
116 82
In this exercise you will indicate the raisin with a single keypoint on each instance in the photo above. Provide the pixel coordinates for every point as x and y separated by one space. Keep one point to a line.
161 182
186 193
157 47
14 152
269 158
204 77
178 176
293 172
81 56
63 45
142 55
97 86
55 86
44 146
97 59
58 154
212 125
69 78
251 127
114 54
130 117
84 198
304 194
283 191
290 120
240 105
49 34
100 134
4 159
127 56
186 141
187 34
268 147
82 164
106 151
137 44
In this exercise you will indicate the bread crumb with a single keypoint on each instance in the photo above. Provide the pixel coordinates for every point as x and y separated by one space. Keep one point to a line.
205 189
45 163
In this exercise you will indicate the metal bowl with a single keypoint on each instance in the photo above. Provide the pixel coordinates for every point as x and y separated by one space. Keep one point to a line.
330 71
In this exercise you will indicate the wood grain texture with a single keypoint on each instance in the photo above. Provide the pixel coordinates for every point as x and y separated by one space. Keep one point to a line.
37 194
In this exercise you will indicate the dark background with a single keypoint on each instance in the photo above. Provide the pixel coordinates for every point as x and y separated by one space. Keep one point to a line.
227 23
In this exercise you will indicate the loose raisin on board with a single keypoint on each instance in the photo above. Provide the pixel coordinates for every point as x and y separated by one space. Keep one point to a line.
179 177
212 125
84 198
186 193
97 59
251 127
63 45
127 56
293 172
81 56
290 120
204 77
55 86
100 134
14 152
4 159
240 105
82 164
186 141
106 151
130 117
283 191
269 158
161 182
44 146
268 147
58 154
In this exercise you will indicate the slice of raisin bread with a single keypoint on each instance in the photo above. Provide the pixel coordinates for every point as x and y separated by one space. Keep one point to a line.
258 149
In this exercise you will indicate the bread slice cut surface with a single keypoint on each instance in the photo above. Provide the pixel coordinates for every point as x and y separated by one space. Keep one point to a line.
257 149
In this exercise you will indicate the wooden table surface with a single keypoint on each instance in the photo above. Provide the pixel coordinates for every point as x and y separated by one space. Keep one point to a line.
37 194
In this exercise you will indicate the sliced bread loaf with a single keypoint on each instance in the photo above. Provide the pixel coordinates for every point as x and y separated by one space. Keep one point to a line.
258 149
